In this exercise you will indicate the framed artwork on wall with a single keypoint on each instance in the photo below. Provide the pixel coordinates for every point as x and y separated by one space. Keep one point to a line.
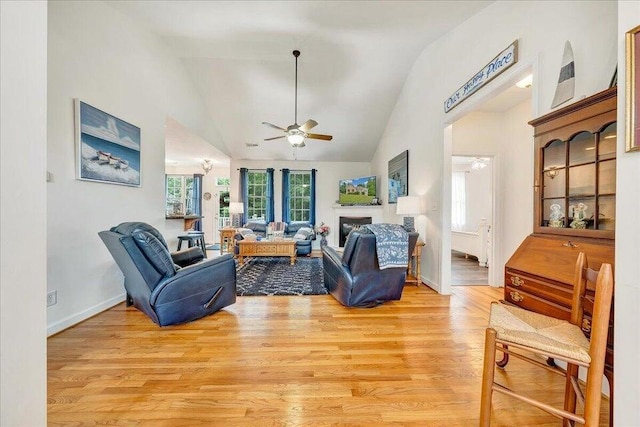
399 176
107 148
633 89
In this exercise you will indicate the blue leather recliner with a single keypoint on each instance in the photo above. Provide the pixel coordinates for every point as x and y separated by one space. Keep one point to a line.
169 287
354 277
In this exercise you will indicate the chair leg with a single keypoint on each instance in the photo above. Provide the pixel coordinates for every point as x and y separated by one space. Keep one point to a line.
488 374
570 393
203 246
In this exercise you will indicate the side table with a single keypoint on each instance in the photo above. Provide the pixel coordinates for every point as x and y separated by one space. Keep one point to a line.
226 240
413 274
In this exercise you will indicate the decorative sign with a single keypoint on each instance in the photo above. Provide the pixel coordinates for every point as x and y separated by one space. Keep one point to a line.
500 63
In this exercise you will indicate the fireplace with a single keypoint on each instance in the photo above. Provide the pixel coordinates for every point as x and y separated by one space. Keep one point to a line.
349 223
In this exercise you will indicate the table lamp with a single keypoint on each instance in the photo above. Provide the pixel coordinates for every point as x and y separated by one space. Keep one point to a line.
408 205
236 209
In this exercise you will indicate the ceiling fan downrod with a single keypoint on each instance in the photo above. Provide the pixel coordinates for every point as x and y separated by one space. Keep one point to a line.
296 53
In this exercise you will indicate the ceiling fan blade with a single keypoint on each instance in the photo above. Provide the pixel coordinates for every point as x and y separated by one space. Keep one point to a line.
319 136
275 137
308 125
274 126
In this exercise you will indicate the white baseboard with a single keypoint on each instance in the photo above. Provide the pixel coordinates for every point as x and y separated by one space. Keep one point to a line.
431 284
67 322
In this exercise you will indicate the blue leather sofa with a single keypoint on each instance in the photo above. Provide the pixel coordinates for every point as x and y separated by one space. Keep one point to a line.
354 277
169 287
303 245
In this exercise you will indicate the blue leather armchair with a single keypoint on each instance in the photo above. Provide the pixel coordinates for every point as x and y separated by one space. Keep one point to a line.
168 287
355 278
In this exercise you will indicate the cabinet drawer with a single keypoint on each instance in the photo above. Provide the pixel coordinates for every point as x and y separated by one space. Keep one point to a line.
559 294
521 298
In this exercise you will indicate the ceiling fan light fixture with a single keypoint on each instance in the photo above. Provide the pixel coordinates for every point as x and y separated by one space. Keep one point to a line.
295 139
295 133
478 163
207 166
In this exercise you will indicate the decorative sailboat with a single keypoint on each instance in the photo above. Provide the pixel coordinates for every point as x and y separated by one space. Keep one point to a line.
567 79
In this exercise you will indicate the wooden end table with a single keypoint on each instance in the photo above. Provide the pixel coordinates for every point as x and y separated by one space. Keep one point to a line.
253 248
226 240
415 257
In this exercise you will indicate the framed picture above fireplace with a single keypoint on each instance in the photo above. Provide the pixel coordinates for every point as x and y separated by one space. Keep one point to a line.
399 176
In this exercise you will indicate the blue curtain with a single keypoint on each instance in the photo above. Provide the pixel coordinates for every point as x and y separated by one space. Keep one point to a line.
270 214
243 194
286 217
312 203
197 199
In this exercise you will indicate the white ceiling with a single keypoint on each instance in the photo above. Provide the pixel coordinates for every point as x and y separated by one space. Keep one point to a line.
355 59
506 100
184 148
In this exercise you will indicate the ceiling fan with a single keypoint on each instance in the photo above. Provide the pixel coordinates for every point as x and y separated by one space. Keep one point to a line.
296 133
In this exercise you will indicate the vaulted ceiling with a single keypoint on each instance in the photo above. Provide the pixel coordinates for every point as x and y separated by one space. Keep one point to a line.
355 59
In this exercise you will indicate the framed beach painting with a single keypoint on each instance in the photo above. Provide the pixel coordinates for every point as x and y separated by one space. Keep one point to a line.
107 148
399 176
633 89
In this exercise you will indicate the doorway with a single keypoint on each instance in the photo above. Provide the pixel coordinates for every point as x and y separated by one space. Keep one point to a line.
472 196
220 210
494 125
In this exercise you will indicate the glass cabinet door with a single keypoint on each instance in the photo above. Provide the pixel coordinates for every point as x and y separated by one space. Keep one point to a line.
579 181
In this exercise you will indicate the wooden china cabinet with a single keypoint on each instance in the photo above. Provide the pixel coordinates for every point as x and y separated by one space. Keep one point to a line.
574 209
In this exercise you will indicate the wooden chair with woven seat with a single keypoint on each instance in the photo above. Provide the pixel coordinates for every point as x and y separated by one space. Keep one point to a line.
513 328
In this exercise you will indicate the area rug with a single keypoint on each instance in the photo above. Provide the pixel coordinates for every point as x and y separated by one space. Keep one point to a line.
276 276
215 247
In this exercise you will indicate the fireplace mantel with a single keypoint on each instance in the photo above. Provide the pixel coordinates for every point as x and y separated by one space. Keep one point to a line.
374 211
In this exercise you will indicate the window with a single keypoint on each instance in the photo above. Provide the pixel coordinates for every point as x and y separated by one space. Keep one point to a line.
257 195
458 201
299 196
179 195
223 182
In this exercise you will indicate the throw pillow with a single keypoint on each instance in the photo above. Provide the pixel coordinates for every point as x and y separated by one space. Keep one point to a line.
308 230
250 237
244 231
277 226
301 235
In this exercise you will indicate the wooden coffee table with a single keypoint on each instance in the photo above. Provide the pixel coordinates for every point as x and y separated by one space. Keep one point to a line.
252 248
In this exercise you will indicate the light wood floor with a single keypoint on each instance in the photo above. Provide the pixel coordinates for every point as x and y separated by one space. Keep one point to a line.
291 361
466 271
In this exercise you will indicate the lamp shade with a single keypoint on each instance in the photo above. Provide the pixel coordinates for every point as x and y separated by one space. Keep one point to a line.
236 207
408 205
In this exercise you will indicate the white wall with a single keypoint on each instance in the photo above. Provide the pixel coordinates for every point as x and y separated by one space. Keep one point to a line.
327 176
627 288
418 120
23 136
108 60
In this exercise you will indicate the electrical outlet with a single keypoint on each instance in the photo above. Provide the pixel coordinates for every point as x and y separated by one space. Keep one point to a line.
52 298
